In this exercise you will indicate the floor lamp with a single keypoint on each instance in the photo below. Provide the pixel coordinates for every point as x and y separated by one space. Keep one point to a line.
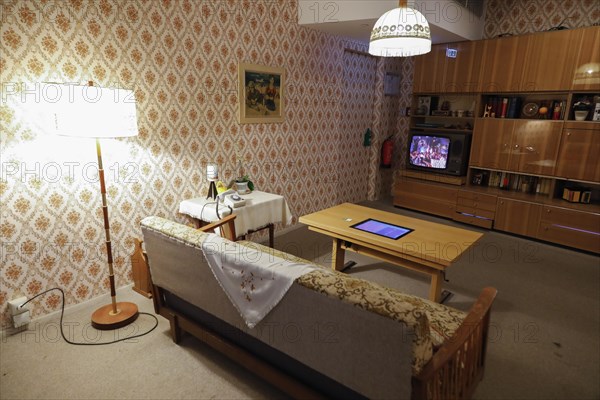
94 112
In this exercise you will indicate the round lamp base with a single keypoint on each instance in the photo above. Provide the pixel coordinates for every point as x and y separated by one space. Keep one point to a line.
104 319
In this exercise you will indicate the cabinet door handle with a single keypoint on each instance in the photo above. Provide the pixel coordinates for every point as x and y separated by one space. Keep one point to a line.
568 133
516 146
548 210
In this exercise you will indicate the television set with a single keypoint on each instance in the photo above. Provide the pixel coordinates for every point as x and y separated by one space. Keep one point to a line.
443 152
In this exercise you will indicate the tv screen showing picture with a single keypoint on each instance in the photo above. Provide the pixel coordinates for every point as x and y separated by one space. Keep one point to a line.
429 151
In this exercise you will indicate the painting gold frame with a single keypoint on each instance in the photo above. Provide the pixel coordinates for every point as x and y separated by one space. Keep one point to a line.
261 93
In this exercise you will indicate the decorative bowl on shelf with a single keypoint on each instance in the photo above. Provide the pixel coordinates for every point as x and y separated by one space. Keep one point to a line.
581 115
581 110
530 110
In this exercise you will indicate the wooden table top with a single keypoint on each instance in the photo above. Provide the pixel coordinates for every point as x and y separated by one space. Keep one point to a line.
429 241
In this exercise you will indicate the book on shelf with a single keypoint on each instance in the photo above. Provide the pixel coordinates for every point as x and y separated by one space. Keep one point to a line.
504 107
558 110
577 194
514 107
512 182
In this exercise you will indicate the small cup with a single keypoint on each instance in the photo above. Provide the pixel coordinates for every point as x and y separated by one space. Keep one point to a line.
460 113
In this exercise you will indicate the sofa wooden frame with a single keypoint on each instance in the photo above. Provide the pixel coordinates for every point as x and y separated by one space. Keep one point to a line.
453 372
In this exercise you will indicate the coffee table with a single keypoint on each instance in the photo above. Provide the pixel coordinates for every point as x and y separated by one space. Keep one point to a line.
430 248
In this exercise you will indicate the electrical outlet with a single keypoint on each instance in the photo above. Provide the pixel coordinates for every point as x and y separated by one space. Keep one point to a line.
19 313
15 306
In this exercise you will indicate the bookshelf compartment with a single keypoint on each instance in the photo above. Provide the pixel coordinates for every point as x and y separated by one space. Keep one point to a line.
443 113
544 106
503 181
585 107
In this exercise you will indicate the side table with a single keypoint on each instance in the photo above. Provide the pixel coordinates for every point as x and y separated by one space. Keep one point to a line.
262 210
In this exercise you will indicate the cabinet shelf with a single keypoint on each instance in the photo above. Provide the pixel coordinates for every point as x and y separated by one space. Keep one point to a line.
438 117
440 129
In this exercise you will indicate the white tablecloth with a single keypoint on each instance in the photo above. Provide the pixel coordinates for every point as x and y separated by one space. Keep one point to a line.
261 209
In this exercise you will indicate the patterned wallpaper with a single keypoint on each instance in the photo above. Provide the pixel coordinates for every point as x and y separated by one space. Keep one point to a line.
517 17
180 57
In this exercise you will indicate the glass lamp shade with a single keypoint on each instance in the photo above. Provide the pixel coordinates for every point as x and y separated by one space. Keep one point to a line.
401 32
91 111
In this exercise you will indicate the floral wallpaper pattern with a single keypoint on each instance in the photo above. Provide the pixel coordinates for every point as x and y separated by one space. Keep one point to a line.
181 59
517 17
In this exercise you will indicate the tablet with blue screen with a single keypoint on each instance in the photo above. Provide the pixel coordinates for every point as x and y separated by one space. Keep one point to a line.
381 228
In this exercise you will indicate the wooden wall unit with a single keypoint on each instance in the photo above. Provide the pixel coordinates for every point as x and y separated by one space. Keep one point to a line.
519 217
570 227
429 71
491 148
475 208
579 156
461 74
586 69
548 65
538 157
534 146
434 72
528 146
502 64
429 197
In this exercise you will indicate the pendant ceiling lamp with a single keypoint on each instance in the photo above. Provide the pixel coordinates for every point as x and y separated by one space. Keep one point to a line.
401 32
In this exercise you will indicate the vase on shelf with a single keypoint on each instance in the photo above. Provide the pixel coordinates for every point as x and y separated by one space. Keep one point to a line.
581 115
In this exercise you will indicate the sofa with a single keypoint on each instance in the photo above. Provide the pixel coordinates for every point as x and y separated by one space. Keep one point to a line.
330 336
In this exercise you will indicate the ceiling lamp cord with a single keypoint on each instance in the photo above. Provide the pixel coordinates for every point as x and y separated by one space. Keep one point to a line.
401 32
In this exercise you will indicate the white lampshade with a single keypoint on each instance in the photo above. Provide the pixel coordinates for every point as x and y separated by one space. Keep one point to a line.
212 172
91 111
401 32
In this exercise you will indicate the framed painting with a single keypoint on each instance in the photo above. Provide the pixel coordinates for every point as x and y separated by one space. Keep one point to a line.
261 93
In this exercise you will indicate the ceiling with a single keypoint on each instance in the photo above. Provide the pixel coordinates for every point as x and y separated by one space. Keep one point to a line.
449 20
361 30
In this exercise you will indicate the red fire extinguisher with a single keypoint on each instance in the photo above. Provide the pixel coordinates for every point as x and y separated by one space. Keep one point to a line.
387 148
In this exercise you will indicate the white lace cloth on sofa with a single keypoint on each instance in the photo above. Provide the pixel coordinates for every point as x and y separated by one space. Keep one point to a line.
255 281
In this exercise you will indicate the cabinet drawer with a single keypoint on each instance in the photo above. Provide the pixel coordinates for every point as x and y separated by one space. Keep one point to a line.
468 219
441 193
475 211
569 237
571 219
482 204
520 217
481 197
425 204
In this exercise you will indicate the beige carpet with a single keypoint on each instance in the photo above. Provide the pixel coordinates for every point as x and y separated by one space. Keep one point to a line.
544 340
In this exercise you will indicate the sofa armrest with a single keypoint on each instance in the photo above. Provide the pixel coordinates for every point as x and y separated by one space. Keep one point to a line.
457 367
226 224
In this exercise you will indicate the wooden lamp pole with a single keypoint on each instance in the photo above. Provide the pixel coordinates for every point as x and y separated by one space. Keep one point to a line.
114 315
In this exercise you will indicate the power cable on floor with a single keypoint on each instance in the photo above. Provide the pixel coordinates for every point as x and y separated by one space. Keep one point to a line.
62 312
